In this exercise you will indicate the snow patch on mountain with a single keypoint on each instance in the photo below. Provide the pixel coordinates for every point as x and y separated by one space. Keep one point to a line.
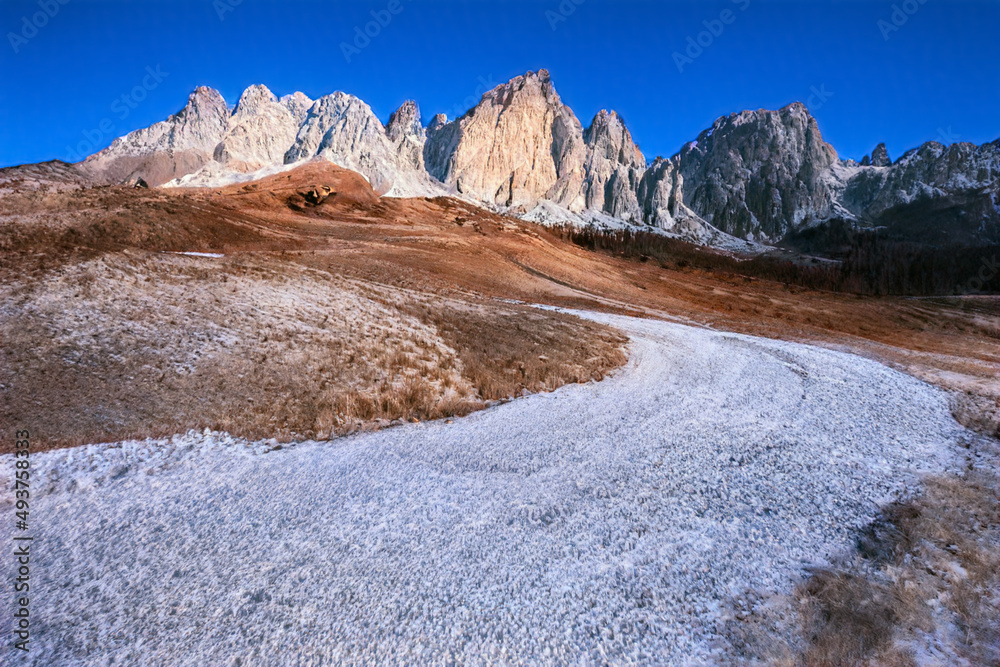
215 175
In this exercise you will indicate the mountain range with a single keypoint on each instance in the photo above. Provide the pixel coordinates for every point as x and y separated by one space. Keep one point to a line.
753 177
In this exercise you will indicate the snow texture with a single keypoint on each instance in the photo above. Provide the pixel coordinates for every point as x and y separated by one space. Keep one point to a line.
599 524
214 255
552 215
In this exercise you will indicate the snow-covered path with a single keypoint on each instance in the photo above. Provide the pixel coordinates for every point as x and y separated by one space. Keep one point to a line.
598 524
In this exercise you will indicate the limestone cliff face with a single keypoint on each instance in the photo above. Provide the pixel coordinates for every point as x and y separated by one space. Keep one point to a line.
298 105
763 174
404 122
168 149
519 145
614 168
661 203
754 174
344 130
441 140
933 194
930 171
259 132
659 193
758 174
407 135
880 156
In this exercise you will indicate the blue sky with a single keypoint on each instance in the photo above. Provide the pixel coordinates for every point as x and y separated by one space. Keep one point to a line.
929 70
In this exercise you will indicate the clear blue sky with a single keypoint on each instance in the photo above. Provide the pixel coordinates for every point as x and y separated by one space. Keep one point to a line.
940 71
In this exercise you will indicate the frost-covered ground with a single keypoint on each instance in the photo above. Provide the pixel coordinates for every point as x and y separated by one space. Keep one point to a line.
599 524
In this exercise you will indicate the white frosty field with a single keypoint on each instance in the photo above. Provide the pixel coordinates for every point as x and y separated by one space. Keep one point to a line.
599 524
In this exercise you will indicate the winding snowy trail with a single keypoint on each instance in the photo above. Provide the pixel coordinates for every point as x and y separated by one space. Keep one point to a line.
602 523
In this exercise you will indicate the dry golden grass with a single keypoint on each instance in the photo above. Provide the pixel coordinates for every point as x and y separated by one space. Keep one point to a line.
447 245
847 618
929 567
978 412
137 344
505 351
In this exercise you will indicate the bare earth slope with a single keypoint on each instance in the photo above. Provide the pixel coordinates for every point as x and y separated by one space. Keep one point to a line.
602 523
70 250
110 331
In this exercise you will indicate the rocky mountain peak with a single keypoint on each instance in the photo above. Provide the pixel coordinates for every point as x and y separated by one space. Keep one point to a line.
176 146
298 105
344 130
439 121
608 136
519 145
204 99
880 156
253 100
614 168
603 120
407 134
259 132
405 121
202 120
758 173
962 177
531 85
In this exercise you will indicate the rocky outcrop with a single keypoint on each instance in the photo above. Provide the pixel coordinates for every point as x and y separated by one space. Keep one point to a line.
298 105
661 203
441 140
658 194
205 144
758 174
614 167
763 174
956 187
880 156
405 122
519 145
407 134
259 132
168 149
343 130
929 171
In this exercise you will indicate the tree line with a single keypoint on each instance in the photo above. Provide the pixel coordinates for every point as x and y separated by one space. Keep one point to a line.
872 265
